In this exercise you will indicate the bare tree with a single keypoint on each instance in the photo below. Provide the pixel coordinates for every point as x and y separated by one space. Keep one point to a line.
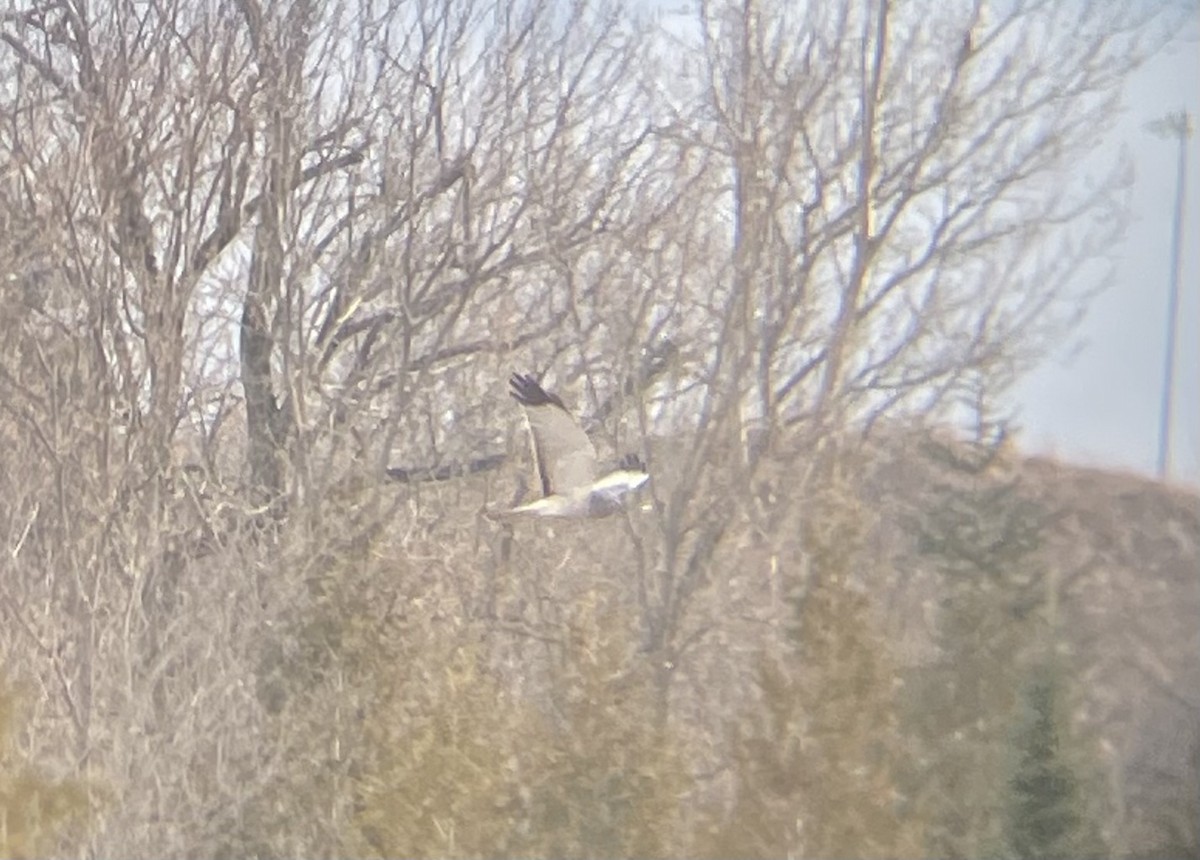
312 216
896 215
255 253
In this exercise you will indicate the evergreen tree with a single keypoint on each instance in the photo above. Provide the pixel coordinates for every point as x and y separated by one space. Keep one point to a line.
817 759
1045 810
605 776
982 534
996 627
36 813
455 765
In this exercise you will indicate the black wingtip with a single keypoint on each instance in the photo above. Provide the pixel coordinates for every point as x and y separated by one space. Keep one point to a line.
527 392
633 463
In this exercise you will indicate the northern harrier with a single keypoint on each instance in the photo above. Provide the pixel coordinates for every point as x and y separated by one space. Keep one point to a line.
566 461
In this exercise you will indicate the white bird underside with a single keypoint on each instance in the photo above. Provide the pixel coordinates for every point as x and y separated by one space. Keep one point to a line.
601 498
565 461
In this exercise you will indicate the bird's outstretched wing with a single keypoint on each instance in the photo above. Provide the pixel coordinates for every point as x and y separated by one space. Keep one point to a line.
562 452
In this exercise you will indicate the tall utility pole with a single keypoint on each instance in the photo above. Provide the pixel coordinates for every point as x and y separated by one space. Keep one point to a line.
1177 125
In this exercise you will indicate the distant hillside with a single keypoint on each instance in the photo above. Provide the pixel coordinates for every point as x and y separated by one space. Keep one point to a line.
1126 553
1132 610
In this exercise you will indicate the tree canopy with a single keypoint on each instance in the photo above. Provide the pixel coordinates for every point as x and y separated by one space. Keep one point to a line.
266 266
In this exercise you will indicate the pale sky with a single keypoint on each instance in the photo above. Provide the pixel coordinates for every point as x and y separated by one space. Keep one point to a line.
1098 401
1101 406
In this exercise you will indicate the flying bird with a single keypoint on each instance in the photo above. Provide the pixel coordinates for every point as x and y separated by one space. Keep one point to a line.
565 460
